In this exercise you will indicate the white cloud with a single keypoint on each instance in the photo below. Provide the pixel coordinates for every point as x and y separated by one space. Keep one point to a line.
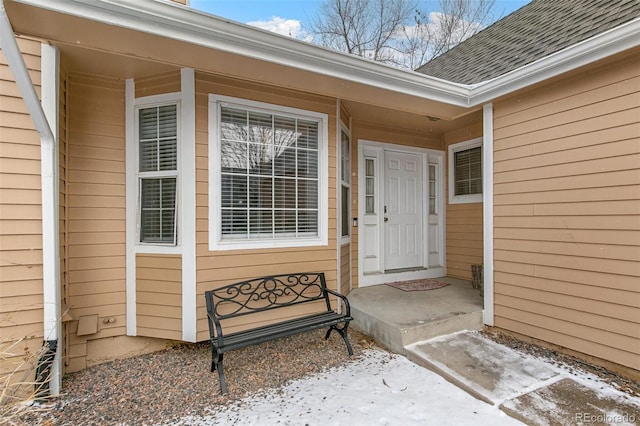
288 27
437 28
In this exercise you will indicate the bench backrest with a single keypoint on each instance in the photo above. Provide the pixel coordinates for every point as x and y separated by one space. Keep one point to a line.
266 293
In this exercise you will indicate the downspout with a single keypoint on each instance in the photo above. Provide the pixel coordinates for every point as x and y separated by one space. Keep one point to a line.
48 378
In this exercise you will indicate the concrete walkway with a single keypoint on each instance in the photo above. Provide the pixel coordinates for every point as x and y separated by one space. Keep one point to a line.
528 389
397 318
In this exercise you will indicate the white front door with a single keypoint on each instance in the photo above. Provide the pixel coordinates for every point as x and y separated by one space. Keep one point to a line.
403 215
400 214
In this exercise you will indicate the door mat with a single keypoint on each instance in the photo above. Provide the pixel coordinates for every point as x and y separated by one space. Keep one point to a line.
418 285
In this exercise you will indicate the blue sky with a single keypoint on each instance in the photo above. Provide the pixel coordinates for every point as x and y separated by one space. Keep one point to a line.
289 16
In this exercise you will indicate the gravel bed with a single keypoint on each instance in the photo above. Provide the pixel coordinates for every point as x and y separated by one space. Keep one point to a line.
162 387
572 364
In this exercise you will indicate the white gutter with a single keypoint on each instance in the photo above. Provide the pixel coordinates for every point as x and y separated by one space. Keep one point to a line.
49 180
598 47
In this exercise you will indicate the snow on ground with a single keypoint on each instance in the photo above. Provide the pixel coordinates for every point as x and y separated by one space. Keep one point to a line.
377 389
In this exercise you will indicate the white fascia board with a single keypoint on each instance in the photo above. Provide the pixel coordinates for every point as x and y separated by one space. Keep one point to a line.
177 22
598 47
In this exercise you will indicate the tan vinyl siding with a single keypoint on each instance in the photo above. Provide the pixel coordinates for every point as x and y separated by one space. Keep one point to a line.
345 268
96 208
464 229
158 84
159 296
379 133
21 303
217 268
567 213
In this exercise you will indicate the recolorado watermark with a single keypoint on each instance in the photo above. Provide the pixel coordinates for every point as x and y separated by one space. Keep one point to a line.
587 418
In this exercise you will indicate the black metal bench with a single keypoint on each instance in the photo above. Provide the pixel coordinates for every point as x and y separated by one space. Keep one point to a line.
265 294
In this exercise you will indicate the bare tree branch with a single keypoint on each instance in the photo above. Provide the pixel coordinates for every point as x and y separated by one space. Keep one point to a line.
398 32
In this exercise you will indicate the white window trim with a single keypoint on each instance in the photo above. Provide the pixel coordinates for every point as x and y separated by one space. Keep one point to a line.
161 174
453 148
344 239
215 225
146 102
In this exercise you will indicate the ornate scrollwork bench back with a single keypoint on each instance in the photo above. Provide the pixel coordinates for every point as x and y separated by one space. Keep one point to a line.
266 293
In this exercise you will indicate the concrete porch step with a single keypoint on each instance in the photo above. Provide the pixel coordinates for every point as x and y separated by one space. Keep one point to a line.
397 318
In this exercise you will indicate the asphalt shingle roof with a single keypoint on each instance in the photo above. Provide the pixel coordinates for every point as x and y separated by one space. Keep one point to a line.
532 32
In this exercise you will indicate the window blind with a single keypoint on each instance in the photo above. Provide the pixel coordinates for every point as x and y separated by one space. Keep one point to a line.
468 171
157 171
269 175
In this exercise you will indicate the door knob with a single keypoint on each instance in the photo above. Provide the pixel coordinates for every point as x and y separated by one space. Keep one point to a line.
386 219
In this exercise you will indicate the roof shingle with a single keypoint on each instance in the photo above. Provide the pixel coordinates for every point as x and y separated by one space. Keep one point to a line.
532 32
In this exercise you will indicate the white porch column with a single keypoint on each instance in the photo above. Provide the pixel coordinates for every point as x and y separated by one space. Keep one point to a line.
487 210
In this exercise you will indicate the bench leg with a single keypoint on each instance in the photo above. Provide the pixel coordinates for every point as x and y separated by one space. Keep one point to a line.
223 382
216 364
343 332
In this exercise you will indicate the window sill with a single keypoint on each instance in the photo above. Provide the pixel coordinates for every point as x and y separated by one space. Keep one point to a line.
157 249
270 244
466 199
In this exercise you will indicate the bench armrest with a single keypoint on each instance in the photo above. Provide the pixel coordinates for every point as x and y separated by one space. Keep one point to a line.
343 298
214 324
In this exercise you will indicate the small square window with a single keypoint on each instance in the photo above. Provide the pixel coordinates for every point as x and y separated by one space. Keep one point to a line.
465 172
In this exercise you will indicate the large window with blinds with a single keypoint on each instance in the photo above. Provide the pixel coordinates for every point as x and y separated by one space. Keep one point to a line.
465 172
268 174
157 174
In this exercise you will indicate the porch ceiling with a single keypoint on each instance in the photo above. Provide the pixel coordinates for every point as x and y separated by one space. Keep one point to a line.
81 60
410 121
103 49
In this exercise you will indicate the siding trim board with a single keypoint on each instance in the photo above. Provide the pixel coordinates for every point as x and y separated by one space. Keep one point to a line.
487 211
131 202
188 203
